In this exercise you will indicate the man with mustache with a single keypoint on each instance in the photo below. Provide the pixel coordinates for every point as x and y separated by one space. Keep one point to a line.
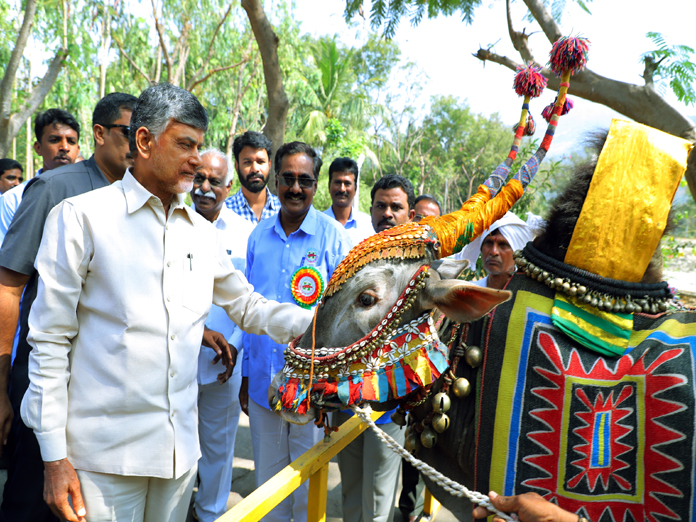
57 135
252 161
343 182
218 398
289 258
23 495
496 246
392 202
128 275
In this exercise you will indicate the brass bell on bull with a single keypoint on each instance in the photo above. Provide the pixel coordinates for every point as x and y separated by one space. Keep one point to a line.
473 356
399 417
461 387
440 422
441 403
412 442
428 438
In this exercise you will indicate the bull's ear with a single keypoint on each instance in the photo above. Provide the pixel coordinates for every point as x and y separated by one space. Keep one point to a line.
449 268
461 301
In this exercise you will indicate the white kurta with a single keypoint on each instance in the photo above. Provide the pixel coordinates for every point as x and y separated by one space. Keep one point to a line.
117 325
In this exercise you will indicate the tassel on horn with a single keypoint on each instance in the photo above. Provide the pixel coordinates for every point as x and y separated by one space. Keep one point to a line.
491 202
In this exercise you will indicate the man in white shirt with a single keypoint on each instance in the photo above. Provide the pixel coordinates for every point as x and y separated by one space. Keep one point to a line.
127 277
343 182
218 399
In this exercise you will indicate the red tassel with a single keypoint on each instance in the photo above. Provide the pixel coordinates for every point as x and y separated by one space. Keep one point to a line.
355 396
368 390
548 110
529 81
412 379
289 394
569 54
302 407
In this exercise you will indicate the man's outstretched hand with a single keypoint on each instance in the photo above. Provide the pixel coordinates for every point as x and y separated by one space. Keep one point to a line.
61 482
530 507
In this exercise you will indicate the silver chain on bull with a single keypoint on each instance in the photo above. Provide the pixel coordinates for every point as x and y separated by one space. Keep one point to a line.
452 487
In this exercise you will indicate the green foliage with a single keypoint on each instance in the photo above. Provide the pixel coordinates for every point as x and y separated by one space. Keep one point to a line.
558 7
674 67
388 13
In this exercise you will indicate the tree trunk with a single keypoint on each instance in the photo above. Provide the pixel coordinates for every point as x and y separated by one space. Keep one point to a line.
11 123
640 103
105 47
278 103
29 163
241 91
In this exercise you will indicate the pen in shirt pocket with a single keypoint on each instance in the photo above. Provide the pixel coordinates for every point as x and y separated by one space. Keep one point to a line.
190 258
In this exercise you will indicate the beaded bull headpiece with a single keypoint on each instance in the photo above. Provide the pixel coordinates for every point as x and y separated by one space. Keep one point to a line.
394 359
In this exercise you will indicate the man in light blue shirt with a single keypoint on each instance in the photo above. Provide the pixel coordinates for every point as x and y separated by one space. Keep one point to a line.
343 182
290 258
57 135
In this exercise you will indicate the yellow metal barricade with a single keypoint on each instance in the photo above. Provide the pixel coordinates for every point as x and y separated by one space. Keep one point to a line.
313 465
431 506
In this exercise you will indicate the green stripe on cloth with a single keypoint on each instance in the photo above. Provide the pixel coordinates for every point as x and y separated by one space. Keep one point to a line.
611 327
603 332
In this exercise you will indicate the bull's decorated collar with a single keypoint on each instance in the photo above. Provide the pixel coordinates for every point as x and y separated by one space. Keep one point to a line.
388 363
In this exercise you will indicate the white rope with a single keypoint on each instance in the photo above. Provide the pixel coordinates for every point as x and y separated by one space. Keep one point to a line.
452 487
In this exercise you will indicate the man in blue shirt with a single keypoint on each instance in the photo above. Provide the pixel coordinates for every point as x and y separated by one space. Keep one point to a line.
343 182
252 161
290 258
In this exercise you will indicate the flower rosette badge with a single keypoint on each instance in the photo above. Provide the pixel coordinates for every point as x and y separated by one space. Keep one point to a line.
307 286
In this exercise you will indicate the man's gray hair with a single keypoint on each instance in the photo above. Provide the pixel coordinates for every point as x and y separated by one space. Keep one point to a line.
159 104
217 153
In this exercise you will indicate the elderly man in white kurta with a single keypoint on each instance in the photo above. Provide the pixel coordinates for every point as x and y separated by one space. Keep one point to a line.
128 275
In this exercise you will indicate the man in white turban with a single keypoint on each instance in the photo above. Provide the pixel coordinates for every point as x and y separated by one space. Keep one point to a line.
496 246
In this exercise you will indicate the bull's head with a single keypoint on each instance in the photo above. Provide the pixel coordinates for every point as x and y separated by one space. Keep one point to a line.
373 338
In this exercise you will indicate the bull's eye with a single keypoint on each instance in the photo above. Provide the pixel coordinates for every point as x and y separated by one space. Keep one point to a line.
367 299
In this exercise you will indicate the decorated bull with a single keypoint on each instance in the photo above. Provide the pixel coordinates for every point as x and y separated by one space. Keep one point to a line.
583 385
580 388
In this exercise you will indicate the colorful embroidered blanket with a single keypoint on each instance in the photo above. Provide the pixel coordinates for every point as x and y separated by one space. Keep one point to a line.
609 437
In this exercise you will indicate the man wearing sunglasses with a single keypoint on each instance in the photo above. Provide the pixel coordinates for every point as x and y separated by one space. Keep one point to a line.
290 258
23 495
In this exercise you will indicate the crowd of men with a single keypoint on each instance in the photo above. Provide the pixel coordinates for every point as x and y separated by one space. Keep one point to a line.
118 300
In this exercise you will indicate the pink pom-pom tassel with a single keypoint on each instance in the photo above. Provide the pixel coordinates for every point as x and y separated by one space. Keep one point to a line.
548 110
569 53
529 81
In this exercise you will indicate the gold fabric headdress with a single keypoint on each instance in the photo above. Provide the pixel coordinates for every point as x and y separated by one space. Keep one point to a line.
628 202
